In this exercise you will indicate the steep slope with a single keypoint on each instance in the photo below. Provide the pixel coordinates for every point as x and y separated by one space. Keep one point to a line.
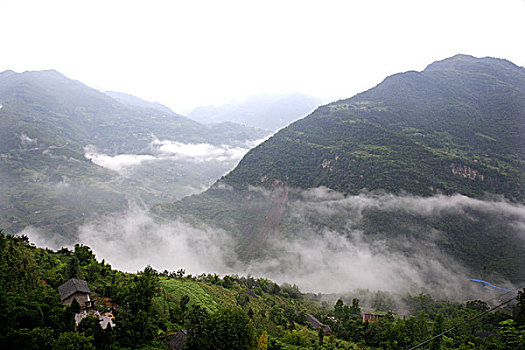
270 112
420 165
48 121
456 127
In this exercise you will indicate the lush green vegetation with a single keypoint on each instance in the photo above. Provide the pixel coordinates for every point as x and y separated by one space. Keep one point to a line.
231 312
456 127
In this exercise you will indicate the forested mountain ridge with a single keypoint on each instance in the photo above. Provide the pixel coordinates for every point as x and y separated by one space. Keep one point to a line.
48 181
448 140
49 104
456 127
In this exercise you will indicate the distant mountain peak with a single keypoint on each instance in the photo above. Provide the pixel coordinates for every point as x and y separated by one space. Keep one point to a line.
266 111
7 73
48 73
134 101
463 62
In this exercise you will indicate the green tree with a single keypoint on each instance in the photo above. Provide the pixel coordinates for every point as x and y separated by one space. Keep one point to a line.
136 314
320 335
73 341
437 328
69 315
73 268
519 309
196 325
355 309
19 272
262 341
512 336
84 254
228 328
134 329
339 310
102 338
183 303
30 339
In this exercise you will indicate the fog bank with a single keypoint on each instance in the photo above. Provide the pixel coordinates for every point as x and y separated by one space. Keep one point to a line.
317 258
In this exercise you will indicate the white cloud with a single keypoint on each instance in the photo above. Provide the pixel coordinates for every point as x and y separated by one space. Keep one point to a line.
134 239
118 163
316 258
200 152
331 202
170 150
331 262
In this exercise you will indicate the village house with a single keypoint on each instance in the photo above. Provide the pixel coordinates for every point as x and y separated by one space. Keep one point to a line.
76 289
177 341
371 318
316 324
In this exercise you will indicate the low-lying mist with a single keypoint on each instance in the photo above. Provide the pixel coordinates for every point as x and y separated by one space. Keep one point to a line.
163 150
319 255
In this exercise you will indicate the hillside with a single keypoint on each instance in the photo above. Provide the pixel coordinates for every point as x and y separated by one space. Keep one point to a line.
456 127
427 166
271 112
68 151
149 308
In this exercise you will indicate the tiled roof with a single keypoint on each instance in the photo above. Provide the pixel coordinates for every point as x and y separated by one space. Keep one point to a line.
71 287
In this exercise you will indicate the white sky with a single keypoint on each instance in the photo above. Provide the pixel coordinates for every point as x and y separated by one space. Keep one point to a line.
190 53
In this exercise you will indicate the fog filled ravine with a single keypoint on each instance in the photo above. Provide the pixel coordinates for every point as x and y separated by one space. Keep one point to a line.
372 222
277 175
415 185
327 246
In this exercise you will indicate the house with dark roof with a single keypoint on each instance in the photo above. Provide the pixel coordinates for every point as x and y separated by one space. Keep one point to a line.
76 289
177 341
316 324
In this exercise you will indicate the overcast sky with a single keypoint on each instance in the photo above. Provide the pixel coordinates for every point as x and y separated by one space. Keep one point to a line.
190 53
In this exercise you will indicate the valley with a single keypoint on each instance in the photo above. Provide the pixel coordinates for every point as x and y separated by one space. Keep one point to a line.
69 152
403 198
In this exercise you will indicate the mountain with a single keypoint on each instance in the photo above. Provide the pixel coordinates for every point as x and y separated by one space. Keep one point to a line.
69 151
270 112
134 101
430 164
456 127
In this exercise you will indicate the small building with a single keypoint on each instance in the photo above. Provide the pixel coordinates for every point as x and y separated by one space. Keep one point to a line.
76 289
316 324
79 290
371 318
177 341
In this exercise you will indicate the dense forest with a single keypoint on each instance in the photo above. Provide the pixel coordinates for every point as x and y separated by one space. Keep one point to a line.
152 308
455 127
